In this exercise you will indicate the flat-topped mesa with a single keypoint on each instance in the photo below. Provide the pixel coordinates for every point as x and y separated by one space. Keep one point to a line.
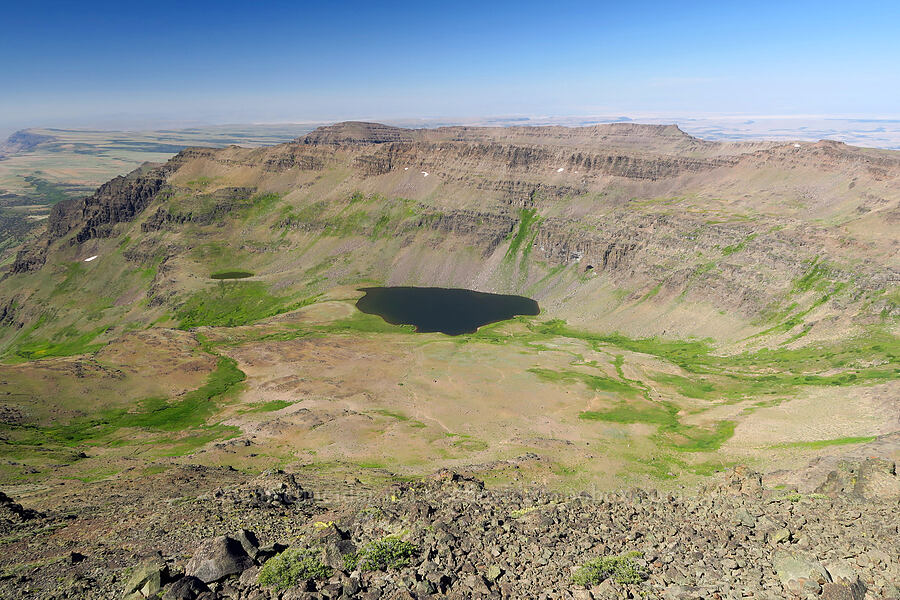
635 131
606 134
357 132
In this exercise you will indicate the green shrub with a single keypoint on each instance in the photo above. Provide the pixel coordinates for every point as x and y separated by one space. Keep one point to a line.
622 569
292 567
387 553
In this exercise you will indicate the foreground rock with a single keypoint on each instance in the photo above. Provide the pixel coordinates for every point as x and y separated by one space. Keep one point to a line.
450 536
470 542
218 558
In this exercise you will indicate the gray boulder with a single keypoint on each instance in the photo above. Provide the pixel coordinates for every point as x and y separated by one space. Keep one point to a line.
218 558
798 572
186 588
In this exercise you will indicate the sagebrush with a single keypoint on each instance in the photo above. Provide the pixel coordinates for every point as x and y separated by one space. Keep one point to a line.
292 567
387 553
622 568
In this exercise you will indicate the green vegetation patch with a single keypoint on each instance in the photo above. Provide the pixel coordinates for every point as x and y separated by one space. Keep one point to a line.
690 438
653 292
157 414
66 342
46 192
626 413
664 466
232 303
291 568
763 372
361 322
622 569
470 444
735 248
816 275
816 444
690 355
598 383
390 552
199 183
527 219
270 406
670 432
701 388
398 416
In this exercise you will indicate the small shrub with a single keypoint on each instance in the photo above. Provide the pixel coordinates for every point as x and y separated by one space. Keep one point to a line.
387 553
622 569
291 567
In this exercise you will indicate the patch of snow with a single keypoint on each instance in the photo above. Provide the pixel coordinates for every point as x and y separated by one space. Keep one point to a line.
406 168
796 145
90 258
424 174
560 170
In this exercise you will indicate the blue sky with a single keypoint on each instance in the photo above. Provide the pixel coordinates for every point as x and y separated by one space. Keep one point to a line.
77 63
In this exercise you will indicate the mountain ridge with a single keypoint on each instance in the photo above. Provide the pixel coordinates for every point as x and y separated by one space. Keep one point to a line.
461 182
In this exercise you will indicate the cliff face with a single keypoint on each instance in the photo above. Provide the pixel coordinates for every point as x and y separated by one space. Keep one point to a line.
645 210
119 200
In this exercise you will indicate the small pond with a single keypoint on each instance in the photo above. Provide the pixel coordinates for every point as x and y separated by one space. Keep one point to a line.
231 275
447 310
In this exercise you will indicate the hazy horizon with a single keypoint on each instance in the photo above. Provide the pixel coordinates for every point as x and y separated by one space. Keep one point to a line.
867 132
226 62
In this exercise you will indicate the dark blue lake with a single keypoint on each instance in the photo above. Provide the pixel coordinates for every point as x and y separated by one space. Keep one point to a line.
448 310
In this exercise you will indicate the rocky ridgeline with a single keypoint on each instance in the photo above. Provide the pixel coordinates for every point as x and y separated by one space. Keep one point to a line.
448 536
